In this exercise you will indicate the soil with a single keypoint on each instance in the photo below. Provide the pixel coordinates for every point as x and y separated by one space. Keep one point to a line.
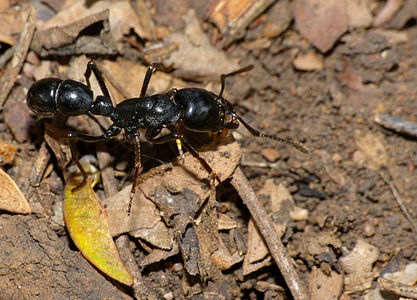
349 183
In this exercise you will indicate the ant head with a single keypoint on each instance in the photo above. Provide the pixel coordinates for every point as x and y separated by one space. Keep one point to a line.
41 97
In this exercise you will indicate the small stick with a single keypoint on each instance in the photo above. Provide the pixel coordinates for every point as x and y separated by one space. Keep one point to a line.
396 124
21 49
400 202
270 235
140 286
397 288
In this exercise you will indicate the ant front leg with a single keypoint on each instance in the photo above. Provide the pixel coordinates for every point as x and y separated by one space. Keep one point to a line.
147 79
151 134
152 68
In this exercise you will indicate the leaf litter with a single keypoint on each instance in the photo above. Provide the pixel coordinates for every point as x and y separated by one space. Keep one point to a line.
371 71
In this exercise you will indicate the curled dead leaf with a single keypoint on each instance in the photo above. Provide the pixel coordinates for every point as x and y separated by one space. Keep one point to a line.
86 221
11 197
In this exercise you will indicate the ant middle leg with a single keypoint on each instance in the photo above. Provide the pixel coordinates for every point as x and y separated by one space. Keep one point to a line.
91 66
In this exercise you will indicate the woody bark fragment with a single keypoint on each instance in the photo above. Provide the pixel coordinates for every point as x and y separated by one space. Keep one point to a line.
232 17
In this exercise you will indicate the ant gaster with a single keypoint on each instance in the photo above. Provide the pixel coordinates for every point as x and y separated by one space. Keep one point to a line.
191 109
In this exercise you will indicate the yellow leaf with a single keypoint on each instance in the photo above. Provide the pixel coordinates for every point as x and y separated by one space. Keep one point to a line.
86 221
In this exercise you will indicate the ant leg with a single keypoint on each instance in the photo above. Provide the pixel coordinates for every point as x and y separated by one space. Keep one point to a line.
297 145
203 163
171 92
111 132
138 164
224 76
75 157
146 80
91 66
77 136
152 132
152 68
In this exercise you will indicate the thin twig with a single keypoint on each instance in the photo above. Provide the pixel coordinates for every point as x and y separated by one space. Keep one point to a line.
397 124
397 288
270 235
21 49
140 287
400 202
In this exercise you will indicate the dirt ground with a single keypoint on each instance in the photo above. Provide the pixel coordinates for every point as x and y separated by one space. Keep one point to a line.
338 76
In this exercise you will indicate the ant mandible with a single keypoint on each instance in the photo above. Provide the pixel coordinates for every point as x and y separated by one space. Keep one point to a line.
177 110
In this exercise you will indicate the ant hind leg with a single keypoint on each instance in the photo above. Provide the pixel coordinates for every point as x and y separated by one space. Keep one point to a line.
138 165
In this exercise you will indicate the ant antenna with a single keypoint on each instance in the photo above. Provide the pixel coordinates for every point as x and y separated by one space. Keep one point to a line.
297 145
224 76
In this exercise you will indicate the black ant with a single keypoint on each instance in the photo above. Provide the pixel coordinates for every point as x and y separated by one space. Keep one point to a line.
191 109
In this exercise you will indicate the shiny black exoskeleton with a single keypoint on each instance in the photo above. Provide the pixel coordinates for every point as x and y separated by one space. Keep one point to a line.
177 110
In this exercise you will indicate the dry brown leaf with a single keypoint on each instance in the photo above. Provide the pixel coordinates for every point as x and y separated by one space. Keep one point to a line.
145 20
66 39
407 12
145 216
319 243
358 13
194 46
156 255
321 22
74 11
257 249
159 235
11 197
122 17
12 22
16 116
283 209
358 265
322 286
256 256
